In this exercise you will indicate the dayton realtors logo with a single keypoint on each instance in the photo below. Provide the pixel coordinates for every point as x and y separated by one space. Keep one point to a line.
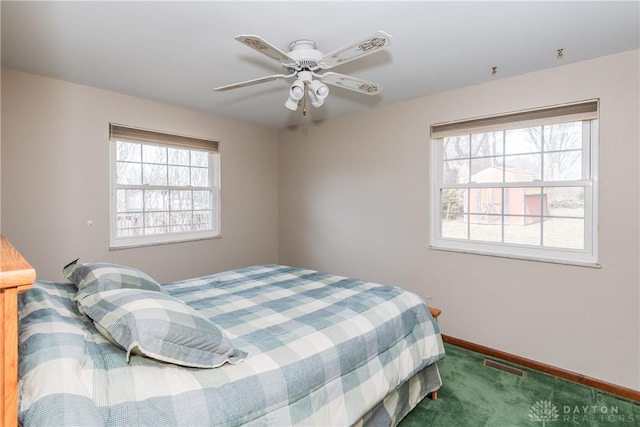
595 414
545 412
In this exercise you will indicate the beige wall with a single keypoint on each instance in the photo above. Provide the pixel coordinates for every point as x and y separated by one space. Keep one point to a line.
55 177
353 200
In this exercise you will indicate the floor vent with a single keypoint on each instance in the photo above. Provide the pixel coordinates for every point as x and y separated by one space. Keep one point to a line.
504 368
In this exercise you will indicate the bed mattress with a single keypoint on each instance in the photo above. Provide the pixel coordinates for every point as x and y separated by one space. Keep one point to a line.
323 350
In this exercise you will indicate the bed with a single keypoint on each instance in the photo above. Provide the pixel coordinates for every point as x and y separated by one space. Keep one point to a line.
302 348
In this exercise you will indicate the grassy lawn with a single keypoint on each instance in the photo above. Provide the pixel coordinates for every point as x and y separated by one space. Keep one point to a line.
566 231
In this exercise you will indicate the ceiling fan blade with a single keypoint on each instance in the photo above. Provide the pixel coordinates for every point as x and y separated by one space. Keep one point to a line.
351 83
375 42
254 82
266 48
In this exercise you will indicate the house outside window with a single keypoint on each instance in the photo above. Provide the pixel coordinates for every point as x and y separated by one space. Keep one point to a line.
164 188
519 185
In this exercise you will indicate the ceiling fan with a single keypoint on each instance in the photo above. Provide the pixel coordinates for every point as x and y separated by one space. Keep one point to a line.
304 62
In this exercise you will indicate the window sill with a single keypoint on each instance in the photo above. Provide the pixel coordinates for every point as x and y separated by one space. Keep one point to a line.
520 257
134 245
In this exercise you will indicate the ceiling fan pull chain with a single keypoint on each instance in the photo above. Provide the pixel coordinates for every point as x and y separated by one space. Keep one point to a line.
304 100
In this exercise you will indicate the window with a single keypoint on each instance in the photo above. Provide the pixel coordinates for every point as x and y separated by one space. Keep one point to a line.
519 185
164 188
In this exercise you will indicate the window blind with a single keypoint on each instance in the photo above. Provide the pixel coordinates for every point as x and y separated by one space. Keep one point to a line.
126 133
586 110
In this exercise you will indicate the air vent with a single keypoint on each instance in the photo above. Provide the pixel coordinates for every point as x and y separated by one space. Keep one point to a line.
504 368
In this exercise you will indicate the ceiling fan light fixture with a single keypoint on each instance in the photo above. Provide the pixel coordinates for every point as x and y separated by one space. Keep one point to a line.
319 89
296 92
316 101
292 104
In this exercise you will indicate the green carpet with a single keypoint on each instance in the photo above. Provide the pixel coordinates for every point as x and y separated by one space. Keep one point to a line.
475 395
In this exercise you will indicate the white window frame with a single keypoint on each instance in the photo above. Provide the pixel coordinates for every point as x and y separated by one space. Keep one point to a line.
586 257
153 138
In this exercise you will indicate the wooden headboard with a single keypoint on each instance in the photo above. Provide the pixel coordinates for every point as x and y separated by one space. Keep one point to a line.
16 275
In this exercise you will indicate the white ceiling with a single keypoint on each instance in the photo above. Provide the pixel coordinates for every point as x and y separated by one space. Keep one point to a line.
177 52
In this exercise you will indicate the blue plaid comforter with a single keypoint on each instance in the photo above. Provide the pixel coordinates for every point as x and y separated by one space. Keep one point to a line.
324 350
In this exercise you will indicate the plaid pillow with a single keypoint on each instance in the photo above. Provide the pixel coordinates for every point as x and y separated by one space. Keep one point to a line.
159 326
101 276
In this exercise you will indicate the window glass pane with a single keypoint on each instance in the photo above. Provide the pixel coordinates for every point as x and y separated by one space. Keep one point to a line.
485 201
454 220
124 233
179 176
487 170
523 141
456 147
154 174
199 177
128 151
149 231
129 200
129 224
128 173
565 233
178 156
200 158
485 214
202 220
455 228
455 172
563 136
525 207
453 202
524 201
154 154
563 165
487 144
181 221
156 200
565 201
525 168
181 200
486 232
201 200
522 230
156 222
535 203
